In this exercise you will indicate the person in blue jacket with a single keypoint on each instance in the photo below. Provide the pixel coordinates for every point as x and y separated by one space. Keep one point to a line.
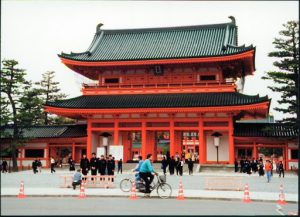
146 171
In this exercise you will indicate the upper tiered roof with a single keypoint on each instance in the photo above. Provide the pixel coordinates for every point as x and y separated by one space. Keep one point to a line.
162 43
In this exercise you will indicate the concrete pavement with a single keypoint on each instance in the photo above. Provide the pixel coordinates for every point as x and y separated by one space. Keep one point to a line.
46 184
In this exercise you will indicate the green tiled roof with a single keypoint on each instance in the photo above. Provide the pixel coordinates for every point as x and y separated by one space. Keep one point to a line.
63 131
157 100
162 43
264 130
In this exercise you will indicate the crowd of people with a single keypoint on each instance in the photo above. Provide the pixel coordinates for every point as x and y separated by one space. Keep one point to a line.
255 165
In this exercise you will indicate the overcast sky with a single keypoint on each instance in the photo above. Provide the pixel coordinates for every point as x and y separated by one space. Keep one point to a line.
34 32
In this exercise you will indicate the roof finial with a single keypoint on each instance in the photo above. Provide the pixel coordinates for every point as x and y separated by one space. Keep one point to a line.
232 19
98 27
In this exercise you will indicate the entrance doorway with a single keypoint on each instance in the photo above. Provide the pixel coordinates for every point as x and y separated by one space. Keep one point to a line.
190 144
162 143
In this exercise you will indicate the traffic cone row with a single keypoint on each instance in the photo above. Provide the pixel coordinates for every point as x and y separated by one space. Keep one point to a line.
82 192
180 192
133 192
21 192
246 195
281 196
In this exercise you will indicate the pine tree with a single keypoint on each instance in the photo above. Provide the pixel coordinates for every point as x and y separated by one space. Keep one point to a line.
286 79
12 83
50 92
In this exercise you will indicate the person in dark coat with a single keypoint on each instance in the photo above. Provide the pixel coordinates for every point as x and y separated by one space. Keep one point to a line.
190 166
4 166
93 165
281 169
254 165
102 166
261 171
120 166
85 166
180 166
242 165
172 165
110 166
34 166
164 165
71 164
177 165
236 166
39 165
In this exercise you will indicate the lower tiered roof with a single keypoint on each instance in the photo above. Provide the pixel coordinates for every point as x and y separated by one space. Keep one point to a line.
158 101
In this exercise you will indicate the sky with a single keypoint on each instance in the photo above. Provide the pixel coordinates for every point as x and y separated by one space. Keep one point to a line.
34 32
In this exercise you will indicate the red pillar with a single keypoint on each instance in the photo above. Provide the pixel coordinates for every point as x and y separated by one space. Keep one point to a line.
73 151
202 149
116 132
172 138
89 140
231 141
144 140
254 150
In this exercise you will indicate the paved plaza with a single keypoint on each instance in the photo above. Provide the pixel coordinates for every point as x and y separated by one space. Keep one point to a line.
47 184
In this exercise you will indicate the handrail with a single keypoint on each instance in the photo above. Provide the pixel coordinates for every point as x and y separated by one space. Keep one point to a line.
158 85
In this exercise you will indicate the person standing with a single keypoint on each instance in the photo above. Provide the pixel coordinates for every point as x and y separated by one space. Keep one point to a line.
85 166
110 166
242 165
177 165
180 166
77 179
190 166
164 165
236 165
281 169
261 171
102 166
268 168
4 166
172 165
120 166
52 163
93 165
34 166
39 165
71 164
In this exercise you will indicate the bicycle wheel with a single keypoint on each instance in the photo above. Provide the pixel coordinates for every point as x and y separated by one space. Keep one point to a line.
125 185
164 190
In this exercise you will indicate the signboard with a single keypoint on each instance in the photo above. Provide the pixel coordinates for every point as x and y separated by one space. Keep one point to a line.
100 151
116 151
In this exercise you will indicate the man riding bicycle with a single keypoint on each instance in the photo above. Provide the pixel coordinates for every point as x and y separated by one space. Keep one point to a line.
146 171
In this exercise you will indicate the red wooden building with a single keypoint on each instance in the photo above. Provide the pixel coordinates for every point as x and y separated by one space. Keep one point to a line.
170 89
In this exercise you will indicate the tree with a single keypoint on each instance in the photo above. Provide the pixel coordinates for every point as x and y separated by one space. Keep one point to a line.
286 79
11 82
50 92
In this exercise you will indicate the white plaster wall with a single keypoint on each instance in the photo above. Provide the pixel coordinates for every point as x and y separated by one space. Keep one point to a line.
293 164
292 145
192 115
35 145
180 115
289 154
212 150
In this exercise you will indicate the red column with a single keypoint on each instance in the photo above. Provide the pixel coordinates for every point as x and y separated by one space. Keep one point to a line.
116 132
202 149
231 141
89 140
144 140
73 151
254 150
286 154
172 138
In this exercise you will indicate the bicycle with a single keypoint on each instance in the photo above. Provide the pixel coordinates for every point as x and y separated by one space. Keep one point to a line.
163 189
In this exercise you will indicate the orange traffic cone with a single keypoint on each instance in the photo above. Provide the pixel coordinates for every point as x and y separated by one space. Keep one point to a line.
180 192
281 196
246 195
21 192
82 193
133 192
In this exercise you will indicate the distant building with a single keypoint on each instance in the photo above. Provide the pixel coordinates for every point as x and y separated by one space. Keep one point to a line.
160 90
